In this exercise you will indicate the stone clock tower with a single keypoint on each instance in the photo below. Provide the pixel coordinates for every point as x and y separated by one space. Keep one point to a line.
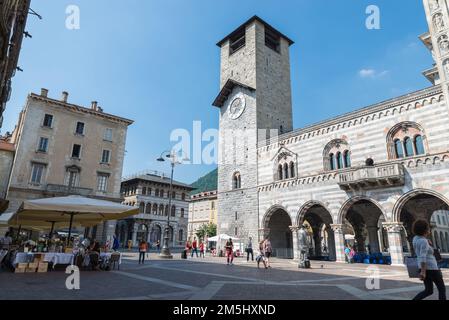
255 104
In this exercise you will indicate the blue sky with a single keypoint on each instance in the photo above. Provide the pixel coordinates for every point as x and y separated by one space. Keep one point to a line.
155 61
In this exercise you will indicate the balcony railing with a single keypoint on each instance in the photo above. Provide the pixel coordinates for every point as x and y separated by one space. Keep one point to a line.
379 176
66 190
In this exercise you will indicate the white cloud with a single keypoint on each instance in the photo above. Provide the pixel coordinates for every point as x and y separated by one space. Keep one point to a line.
372 73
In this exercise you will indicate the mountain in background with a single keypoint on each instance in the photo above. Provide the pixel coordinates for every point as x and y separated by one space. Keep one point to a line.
206 183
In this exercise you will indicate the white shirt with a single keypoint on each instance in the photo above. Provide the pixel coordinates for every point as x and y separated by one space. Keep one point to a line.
425 253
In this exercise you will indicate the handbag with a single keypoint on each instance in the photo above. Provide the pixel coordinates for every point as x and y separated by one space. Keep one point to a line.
412 267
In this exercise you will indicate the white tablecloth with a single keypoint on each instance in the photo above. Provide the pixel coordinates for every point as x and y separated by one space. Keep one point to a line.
55 258
23 257
59 258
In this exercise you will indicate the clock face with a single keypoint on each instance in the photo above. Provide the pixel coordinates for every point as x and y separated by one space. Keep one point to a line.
237 107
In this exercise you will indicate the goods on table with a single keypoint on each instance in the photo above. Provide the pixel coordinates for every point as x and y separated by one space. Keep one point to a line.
21 268
42 267
32 266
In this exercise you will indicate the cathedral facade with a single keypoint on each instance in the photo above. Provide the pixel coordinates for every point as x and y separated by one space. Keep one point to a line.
361 178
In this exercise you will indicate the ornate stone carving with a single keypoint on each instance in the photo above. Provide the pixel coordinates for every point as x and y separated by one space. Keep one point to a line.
393 226
434 5
443 43
438 22
294 228
337 228
446 68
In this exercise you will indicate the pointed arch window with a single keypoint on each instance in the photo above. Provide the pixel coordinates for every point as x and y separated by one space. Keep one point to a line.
148 208
280 172
408 147
142 207
406 139
419 145
173 211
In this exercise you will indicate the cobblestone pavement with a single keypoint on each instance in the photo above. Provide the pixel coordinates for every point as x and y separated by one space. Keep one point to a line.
211 278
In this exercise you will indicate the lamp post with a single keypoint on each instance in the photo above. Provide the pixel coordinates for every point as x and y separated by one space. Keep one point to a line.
174 160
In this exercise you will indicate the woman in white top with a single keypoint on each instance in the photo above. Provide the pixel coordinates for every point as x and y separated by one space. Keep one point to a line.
430 273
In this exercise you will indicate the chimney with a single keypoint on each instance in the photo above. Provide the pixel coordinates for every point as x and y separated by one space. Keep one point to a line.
44 92
94 105
65 95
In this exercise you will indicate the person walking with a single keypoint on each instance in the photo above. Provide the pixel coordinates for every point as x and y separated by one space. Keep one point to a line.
229 252
249 250
143 247
195 247
430 273
348 254
158 246
115 244
188 247
261 256
201 249
268 250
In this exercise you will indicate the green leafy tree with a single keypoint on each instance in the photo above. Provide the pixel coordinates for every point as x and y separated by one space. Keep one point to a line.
209 230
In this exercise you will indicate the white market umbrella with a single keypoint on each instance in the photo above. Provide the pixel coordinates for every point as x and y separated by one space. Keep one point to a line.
72 210
221 237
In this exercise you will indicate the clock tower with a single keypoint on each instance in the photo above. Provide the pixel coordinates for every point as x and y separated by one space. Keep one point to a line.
255 104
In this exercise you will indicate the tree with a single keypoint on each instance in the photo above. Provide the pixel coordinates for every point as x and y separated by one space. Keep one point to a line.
209 230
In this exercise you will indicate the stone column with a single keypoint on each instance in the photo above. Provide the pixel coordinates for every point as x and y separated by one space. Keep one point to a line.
331 243
373 236
134 235
339 242
294 230
317 240
395 242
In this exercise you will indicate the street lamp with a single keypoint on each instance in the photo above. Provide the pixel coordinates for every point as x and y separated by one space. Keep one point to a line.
174 160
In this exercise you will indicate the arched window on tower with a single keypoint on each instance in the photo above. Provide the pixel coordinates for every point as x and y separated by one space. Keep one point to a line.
236 181
286 171
173 211
399 150
408 147
292 170
148 208
142 207
419 145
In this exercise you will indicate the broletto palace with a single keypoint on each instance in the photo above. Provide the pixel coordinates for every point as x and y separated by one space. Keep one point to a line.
369 173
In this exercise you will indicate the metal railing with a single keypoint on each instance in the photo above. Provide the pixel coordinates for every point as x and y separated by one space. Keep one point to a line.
58 188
